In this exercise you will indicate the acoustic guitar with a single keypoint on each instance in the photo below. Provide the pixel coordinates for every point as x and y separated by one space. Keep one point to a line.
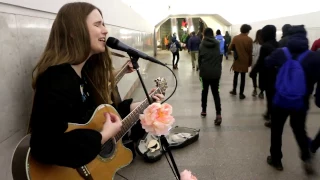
112 157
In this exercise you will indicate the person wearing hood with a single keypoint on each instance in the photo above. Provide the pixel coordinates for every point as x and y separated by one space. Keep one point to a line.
285 35
210 72
297 45
316 45
227 41
221 40
268 34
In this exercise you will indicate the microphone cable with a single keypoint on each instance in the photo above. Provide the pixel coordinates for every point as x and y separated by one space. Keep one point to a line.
176 84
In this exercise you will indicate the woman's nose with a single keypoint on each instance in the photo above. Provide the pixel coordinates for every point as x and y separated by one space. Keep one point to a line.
104 31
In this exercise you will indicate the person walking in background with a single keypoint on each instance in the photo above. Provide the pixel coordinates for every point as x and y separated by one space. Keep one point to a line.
242 46
166 42
187 40
210 72
255 55
299 68
174 48
193 45
200 35
220 38
266 78
227 41
285 35
316 45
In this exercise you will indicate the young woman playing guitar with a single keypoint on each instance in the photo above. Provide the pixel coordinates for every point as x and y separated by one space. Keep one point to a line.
71 79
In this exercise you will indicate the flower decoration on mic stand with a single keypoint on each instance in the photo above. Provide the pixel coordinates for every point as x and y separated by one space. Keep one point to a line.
157 120
187 175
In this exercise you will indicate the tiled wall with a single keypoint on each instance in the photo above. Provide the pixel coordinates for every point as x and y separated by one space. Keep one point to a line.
22 40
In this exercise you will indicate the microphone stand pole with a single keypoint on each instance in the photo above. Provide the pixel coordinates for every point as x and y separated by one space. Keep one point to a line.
165 145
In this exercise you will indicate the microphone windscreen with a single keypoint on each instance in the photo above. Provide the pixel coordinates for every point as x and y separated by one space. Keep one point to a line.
112 42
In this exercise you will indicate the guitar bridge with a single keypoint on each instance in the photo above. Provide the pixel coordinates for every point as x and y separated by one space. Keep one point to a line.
84 173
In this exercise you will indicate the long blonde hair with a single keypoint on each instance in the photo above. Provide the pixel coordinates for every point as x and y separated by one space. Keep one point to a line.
69 42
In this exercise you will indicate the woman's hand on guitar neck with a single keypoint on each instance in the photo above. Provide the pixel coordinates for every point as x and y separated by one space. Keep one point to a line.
130 67
156 98
111 127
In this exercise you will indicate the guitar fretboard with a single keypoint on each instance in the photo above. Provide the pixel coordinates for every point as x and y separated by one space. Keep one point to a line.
133 117
121 73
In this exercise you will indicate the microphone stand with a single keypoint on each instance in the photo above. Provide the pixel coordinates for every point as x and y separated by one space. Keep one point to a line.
165 145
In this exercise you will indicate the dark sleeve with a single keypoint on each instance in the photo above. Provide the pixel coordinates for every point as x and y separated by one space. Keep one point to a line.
250 51
281 43
317 101
315 73
275 59
231 46
199 57
51 113
189 42
124 107
259 64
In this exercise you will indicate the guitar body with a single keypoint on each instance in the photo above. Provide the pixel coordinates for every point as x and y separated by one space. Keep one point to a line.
112 157
101 168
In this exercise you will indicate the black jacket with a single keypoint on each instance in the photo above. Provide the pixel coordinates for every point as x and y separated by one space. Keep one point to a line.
210 59
268 46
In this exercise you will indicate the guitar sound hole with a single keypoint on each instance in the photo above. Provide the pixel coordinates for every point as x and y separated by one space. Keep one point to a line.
108 149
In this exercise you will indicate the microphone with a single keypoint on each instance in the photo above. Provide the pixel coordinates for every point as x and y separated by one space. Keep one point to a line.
114 43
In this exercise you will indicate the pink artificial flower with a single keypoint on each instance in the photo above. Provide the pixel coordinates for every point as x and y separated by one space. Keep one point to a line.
187 175
156 119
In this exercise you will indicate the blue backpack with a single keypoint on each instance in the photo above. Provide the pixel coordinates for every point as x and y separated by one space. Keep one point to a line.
290 84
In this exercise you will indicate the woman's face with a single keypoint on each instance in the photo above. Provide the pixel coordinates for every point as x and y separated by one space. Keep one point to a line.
97 32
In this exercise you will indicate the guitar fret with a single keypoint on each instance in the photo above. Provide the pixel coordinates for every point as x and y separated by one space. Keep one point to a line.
133 117
121 73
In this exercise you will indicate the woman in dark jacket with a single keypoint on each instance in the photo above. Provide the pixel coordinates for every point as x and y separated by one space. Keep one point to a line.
266 77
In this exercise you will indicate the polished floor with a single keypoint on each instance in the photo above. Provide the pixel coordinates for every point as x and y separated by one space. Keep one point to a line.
237 150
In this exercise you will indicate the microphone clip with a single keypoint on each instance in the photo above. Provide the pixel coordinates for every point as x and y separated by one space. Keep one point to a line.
134 57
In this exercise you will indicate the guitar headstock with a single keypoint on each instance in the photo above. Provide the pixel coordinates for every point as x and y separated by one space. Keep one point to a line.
161 84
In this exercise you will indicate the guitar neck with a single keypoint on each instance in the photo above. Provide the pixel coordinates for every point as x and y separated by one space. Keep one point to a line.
121 73
133 117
